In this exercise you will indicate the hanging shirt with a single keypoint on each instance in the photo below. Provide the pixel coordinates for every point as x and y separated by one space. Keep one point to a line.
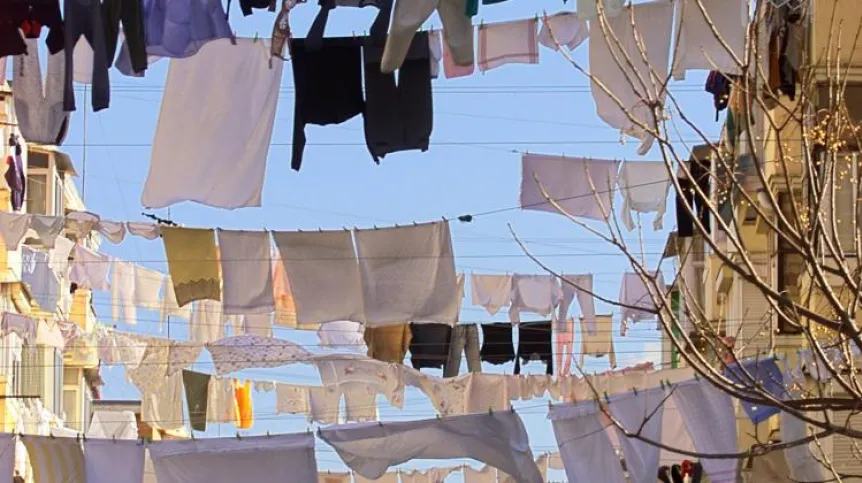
491 291
39 104
644 185
581 187
504 43
537 294
601 342
699 47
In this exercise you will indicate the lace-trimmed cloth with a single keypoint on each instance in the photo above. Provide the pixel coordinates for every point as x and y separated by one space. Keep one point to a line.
247 351
193 263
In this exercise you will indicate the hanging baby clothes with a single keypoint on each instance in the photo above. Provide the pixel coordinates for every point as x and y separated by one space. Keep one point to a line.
244 413
429 345
408 273
15 14
565 340
408 17
584 444
504 43
247 272
90 269
638 296
491 291
360 402
291 399
324 275
104 458
83 18
711 34
497 345
465 339
581 187
39 108
567 29
582 286
644 185
340 369
197 385
398 116
534 343
601 343
328 86
15 177
192 263
55 459
214 168
131 14
631 50
388 343
537 294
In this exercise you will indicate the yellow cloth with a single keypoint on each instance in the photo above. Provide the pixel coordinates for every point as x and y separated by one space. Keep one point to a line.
244 412
193 263
388 343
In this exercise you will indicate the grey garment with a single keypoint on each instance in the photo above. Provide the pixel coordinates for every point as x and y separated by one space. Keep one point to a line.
84 17
41 118
465 338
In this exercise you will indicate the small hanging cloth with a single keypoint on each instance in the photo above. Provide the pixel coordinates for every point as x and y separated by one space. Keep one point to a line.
534 343
193 263
514 42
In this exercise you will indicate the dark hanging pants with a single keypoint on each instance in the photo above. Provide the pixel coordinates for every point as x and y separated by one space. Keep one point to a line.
84 18
700 171
534 343
130 13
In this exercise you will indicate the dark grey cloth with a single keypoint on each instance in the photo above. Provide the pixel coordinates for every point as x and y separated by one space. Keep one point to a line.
197 388
84 17
398 116
429 345
465 339
131 14
497 345
534 343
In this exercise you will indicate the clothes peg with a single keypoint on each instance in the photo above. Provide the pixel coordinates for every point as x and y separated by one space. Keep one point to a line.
238 436
490 411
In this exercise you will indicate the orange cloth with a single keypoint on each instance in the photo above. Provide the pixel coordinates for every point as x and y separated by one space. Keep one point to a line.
244 412
388 343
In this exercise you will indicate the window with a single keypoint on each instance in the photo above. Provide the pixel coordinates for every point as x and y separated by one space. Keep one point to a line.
789 265
44 184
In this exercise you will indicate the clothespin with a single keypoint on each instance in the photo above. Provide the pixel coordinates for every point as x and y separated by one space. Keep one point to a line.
192 434
254 41
635 390
490 411
238 436
607 399
77 437
267 434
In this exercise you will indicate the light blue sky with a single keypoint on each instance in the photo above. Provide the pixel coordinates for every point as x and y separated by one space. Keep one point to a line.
471 167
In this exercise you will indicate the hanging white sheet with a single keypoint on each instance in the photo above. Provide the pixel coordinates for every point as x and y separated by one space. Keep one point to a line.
710 418
644 185
585 449
642 414
581 187
699 46
109 461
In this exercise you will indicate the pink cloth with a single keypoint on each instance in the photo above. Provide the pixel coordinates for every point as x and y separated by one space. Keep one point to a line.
504 43
453 70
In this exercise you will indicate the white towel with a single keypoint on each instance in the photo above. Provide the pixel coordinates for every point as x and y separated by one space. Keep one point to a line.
207 322
567 28
502 43
108 461
324 275
802 460
581 187
123 292
221 401
611 66
498 439
199 153
249 459
408 273
148 284
488 392
169 306
13 227
246 269
162 408
710 418
491 291
343 334
644 186
641 413
698 47
90 269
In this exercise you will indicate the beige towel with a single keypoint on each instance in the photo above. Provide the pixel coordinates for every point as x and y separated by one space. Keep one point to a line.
193 263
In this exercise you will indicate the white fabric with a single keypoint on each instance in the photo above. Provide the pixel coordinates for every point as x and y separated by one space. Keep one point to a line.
246 351
119 349
291 399
60 256
435 47
343 334
114 231
113 425
538 294
163 407
55 460
7 453
581 187
150 231
710 418
641 414
323 404
324 275
221 401
582 286
674 435
148 284
567 28
182 356
616 63
170 307
801 460
197 155
48 333
246 272
601 343
340 369
13 227
259 325
447 395
123 292
22 325
46 286
108 461
487 392
644 186
81 223
90 269
497 439
635 293
47 228
513 42
264 459
589 8
585 448
698 46
408 273
491 291
207 322
360 402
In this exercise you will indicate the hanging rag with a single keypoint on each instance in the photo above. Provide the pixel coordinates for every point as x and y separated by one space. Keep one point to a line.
491 291
83 18
601 343
637 298
169 306
767 376
581 187
513 42
114 231
14 15
700 167
221 401
537 294
149 231
497 347
710 35
90 269
39 108
388 343
644 185
488 392
408 273
328 86
162 408
407 17
802 459
244 411
247 272
197 392
465 339
55 459
534 343
398 115
639 34
710 417
497 439
215 169
589 9
13 227
566 29
429 345
192 263
291 399
585 448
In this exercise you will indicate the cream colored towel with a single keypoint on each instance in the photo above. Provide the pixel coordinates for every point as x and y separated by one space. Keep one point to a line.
193 263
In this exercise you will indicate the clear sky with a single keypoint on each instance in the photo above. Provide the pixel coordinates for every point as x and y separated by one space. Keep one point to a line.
472 166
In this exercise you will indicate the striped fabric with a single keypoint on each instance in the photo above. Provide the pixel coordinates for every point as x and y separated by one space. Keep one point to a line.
55 460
